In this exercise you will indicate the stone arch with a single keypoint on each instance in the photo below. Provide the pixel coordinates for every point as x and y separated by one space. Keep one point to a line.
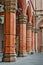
39 20
28 12
40 23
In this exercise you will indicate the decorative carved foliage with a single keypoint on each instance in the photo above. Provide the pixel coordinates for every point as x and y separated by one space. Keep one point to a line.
10 5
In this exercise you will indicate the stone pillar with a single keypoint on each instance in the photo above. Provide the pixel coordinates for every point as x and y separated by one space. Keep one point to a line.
29 29
39 40
9 54
22 44
35 40
29 37
22 22
17 35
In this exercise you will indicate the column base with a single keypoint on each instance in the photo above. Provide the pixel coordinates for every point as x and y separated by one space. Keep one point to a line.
22 53
9 57
29 52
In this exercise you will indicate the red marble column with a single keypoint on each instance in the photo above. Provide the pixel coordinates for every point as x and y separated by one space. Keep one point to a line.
22 22
39 38
33 34
29 38
29 30
17 35
33 41
9 54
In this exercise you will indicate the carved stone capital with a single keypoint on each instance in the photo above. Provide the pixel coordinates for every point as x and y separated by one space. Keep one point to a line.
29 25
10 5
22 19
35 30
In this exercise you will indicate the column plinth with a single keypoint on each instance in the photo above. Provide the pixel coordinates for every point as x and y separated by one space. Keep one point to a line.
9 57
17 36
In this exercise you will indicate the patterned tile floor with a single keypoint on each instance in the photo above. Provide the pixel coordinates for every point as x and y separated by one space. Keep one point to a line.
35 59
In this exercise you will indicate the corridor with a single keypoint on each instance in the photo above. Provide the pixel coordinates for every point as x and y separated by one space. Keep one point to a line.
35 59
